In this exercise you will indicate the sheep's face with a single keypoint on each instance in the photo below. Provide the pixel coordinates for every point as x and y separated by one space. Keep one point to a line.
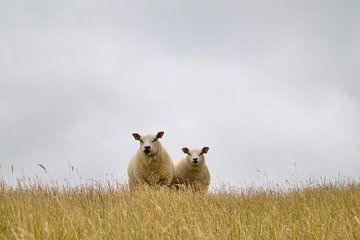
149 144
195 157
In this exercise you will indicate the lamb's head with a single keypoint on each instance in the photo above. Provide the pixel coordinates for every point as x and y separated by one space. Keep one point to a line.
149 144
195 157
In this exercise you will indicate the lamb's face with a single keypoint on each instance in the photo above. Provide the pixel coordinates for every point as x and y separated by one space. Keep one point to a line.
195 157
149 144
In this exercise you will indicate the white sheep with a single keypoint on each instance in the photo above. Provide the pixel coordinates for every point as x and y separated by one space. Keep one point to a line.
192 171
151 164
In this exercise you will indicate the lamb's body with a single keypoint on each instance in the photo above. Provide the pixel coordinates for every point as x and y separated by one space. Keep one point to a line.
192 171
151 164
196 178
153 170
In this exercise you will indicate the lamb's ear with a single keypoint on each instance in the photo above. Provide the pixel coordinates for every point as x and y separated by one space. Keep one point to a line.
159 134
205 149
136 136
185 150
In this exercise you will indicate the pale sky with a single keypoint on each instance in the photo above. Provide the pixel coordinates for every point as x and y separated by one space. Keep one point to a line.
264 84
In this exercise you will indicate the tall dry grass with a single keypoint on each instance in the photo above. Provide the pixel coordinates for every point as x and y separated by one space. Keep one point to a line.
323 211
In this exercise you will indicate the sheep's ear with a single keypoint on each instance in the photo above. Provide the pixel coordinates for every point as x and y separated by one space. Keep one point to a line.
185 150
159 134
136 136
205 149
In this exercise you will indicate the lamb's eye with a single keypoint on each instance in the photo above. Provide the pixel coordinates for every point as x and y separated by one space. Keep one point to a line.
141 141
154 140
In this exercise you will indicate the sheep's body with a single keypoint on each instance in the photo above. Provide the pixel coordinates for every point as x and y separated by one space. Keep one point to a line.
196 178
154 168
194 175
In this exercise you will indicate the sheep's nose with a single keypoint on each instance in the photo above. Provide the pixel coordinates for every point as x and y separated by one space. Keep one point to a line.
147 147
195 159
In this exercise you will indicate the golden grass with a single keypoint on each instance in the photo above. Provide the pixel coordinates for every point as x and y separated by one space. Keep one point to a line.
325 211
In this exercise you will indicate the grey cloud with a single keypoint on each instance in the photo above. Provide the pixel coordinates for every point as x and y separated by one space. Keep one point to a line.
263 84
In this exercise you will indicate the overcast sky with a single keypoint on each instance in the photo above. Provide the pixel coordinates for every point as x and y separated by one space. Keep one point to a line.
264 84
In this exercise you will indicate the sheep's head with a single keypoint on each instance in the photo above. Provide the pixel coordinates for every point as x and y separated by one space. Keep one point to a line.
149 144
195 157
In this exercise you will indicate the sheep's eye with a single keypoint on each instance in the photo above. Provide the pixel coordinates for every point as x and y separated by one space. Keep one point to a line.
201 154
141 141
189 154
154 139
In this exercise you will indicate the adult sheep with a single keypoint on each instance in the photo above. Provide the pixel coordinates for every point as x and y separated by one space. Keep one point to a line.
192 171
151 164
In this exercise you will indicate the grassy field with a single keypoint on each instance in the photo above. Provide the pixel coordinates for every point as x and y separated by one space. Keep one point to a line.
317 211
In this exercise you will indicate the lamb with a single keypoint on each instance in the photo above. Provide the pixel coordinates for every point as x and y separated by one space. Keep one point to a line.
192 171
151 164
